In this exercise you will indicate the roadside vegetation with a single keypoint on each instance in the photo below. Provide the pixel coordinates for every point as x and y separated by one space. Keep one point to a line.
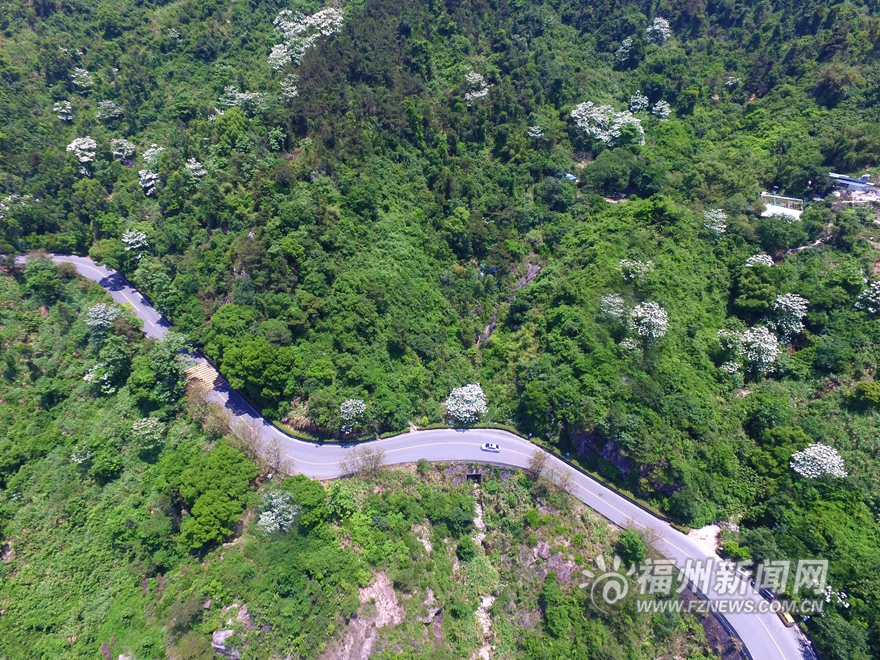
138 525
551 209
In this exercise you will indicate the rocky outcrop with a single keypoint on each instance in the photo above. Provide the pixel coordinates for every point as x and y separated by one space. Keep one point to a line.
219 643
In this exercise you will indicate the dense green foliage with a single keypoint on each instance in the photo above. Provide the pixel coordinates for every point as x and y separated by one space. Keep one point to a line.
111 526
356 240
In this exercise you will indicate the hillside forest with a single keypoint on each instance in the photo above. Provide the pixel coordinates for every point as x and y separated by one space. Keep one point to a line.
383 202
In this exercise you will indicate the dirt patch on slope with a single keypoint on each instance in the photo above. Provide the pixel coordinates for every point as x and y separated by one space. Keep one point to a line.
379 608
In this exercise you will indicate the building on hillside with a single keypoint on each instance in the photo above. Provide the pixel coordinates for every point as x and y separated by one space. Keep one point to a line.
862 184
788 207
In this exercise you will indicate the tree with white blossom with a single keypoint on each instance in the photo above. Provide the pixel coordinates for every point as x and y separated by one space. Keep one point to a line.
151 155
622 54
81 454
148 180
818 460
659 31
84 149
195 169
100 377
869 299
535 132
759 260
289 89
467 404
248 102
10 202
638 102
135 241
661 110
839 597
108 110
300 32
149 176
148 433
122 149
635 270
649 321
612 306
81 79
603 123
278 512
476 86
789 311
715 221
63 110
350 411
760 349
100 318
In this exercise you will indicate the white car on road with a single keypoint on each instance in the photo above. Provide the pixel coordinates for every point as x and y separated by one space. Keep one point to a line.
490 446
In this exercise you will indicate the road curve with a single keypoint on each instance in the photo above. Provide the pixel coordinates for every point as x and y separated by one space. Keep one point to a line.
763 634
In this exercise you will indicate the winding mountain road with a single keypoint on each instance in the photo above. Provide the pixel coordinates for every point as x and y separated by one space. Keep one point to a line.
764 635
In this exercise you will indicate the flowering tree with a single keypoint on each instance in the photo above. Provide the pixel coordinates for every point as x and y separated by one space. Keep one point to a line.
81 78
467 404
135 241
633 269
101 377
603 123
622 54
760 348
289 90
789 311
661 110
122 149
638 102
151 155
195 168
818 460
63 110
350 411
108 110
535 132
148 180
100 318
869 299
612 306
715 220
249 102
299 33
149 177
731 343
649 321
278 512
84 149
759 260
476 85
659 31
10 202
81 454
148 433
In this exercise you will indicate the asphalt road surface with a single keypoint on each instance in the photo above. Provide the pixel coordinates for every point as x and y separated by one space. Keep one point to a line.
764 635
